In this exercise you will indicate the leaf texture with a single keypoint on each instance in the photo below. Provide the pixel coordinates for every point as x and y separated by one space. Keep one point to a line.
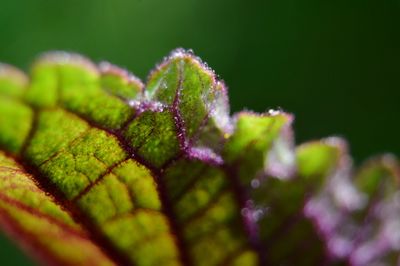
98 168
31 216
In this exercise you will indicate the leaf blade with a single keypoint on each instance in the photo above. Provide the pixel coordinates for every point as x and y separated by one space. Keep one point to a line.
165 168
41 226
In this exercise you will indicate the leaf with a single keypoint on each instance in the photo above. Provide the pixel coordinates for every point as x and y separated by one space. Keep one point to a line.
101 169
32 217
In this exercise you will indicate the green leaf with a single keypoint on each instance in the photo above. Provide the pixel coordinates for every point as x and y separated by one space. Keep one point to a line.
98 168
43 228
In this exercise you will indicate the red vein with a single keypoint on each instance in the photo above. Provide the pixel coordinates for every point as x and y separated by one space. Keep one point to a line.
98 180
81 218
27 240
34 212
190 184
202 211
62 149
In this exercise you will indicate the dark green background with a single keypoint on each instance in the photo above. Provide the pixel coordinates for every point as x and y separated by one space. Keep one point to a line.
334 63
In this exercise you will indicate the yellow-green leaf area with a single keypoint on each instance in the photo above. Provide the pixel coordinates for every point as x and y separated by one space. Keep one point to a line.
123 86
100 203
43 91
19 186
83 161
317 158
182 174
247 149
118 194
163 83
201 193
247 257
71 81
61 171
255 132
223 211
13 82
55 129
184 82
154 136
106 200
50 231
64 248
380 175
77 85
216 126
136 232
140 184
206 209
96 105
197 94
219 246
15 123
94 152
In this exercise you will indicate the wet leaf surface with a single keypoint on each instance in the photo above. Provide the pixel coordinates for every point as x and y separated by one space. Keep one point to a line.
98 169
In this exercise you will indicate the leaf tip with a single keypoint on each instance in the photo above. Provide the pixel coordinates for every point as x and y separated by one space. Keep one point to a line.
184 54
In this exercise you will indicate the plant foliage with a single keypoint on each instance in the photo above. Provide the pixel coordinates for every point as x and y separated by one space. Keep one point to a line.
98 169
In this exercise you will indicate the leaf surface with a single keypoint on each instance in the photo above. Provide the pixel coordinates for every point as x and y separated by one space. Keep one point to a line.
44 229
101 169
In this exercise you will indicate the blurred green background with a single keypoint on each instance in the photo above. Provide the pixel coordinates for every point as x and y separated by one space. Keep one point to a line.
335 64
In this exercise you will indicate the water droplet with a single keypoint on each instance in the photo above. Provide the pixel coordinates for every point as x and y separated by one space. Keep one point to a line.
273 112
255 183
257 214
245 212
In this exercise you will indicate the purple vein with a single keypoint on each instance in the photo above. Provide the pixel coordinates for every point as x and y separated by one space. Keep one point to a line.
178 120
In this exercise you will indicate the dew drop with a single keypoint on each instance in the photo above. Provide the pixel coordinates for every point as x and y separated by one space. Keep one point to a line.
257 214
255 183
245 212
273 112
